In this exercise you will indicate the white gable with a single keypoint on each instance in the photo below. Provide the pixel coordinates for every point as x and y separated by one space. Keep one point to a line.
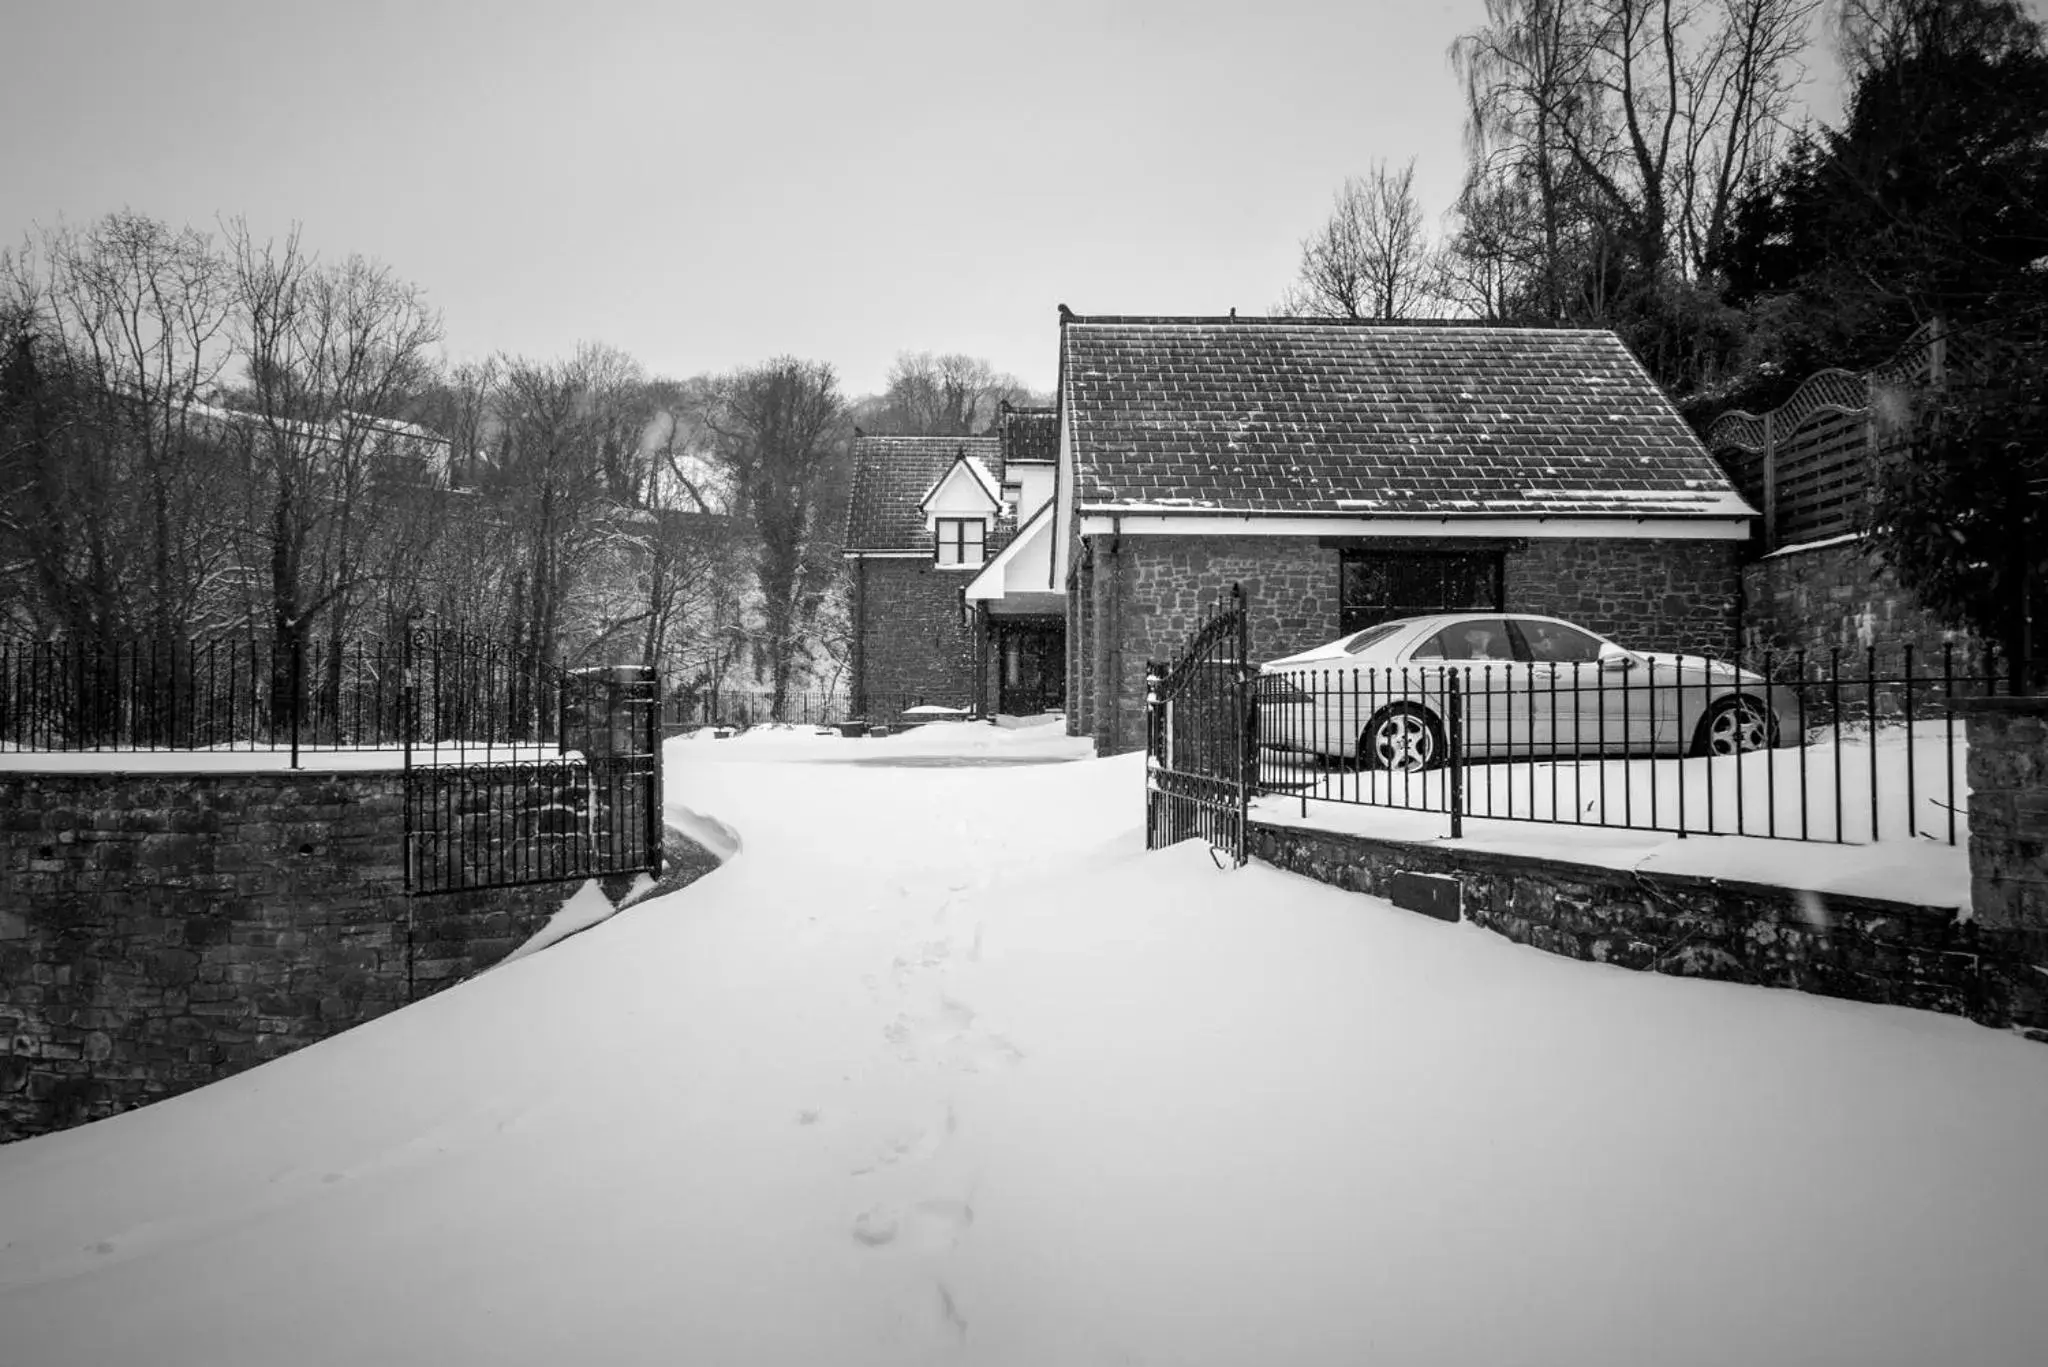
1025 565
965 490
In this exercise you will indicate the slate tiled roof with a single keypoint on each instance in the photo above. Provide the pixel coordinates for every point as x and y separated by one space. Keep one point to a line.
1030 434
1289 416
891 475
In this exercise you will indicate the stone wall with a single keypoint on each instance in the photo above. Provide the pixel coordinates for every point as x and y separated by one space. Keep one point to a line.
160 931
1657 595
1080 630
1852 947
1654 594
2008 773
913 640
1835 595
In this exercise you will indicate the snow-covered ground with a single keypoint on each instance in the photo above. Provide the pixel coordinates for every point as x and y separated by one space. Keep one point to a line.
941 1066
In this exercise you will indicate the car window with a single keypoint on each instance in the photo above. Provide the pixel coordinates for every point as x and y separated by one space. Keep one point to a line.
1371 636
1556 643
1483 640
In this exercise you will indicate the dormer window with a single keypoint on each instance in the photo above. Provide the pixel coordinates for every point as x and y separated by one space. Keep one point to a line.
960 542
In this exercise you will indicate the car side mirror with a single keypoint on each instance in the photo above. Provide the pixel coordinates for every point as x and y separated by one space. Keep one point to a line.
1618 660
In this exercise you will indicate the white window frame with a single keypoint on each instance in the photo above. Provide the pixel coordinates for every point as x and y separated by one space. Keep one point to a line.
960 543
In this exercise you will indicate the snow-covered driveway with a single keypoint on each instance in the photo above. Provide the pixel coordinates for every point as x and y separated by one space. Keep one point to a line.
941 1066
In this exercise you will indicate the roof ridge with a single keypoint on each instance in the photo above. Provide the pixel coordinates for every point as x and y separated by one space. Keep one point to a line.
954 441
1362 324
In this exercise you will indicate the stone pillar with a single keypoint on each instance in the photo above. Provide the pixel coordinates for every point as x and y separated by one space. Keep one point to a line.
607 713
608 717
2008 772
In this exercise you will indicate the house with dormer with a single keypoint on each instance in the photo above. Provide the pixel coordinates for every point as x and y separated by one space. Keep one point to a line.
949 550
1349 473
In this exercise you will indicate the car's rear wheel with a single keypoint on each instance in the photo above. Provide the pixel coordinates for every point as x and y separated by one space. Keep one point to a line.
1403 738
1734 726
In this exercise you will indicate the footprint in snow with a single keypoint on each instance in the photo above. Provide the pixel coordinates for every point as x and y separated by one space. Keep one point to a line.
914 1147
925 1226
948 1037
920 957
925 1319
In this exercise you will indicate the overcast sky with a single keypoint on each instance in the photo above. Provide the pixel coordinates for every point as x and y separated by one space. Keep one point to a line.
706 186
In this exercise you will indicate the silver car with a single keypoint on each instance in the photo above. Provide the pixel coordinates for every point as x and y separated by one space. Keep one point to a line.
1525 687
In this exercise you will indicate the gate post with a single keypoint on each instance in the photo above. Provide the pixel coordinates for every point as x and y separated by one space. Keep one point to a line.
651 684
615 723
1247 741
1154 739
408 722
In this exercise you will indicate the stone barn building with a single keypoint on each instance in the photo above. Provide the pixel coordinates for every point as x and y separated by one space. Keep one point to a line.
1348 473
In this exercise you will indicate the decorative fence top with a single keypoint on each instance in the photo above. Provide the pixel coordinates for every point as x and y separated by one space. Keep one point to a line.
1924 358
1808 462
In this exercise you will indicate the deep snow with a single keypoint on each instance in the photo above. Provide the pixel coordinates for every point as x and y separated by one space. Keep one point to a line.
941 1066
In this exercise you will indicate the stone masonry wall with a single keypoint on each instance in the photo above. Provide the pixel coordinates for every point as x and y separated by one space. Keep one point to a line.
160 931
2008 773
1852 947
1836 596
1653 594
915 642
1080 698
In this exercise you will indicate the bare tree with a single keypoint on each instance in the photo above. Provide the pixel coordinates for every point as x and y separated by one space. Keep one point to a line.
945 396
546 486
1631 125
334 353
1371 258
780 440
112 477
1734 99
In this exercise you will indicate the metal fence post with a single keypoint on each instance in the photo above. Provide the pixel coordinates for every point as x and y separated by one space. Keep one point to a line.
1454 745
298 686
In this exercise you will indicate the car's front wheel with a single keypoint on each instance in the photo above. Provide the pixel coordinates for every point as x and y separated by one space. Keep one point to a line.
1403 738
1733 726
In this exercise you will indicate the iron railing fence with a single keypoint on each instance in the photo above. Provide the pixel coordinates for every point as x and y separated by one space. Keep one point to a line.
224 693
748 707
248 693
1797 747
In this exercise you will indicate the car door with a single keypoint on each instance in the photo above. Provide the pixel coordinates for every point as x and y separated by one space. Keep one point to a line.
1494 688
1591 696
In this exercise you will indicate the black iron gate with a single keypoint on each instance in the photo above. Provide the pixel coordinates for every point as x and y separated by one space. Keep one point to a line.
517 772
1198 734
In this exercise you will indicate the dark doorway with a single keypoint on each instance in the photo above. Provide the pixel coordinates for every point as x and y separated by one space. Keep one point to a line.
1031 665
1381 586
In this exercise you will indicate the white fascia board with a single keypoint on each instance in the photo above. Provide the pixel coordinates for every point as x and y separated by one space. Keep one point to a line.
989 584
1063 481
1101 523
888 555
